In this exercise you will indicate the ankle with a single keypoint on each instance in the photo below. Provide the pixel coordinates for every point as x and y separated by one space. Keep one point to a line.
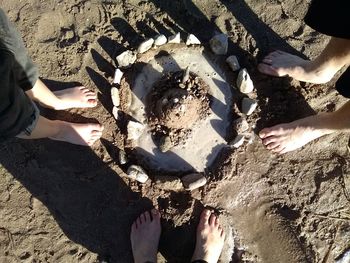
59 128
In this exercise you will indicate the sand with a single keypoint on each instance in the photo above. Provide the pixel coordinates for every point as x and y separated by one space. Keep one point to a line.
65 203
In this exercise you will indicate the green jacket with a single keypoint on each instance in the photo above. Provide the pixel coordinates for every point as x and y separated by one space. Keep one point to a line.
17 74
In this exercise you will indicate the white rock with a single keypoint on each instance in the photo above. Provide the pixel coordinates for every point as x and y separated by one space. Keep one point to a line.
160 40
192 40
219 44
123 159
345 258
244 82
118 74
115 96
193 181
241 125
238 141
115 112
145 45
186 74
137 173
248 106
135 130
126 59
175 39
232 61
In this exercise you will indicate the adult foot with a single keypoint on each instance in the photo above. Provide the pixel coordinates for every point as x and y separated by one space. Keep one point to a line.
280 63
210 238
145 234
287 137
77 97
80 134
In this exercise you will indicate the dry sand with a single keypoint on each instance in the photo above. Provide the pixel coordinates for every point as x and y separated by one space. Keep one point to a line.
65 203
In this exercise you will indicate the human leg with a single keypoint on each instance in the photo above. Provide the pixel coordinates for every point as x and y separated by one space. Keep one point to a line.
75 133
145 234
77 97
320 70
287 137
210 239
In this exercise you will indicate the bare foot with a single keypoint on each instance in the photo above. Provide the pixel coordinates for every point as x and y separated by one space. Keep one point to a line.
145 234
81 134
280 63
288 137
210 238
77 97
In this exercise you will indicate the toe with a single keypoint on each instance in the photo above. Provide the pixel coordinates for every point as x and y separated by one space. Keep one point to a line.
267 69
272 145
267 61
134 226
139 222
264 133
217 222
96 133
90 94
283 151
143 218
205 217
92 102
269 140
278 149
147 216
212 220
155 215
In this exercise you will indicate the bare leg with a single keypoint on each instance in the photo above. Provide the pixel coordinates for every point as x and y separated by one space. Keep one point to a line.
290 136
145 234
77 97
210 238
320 70
81 134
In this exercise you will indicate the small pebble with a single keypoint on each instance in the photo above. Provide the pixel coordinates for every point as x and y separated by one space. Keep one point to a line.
192 40
219 44
182 86
165 144
240 125
145 45
344 258
238 141
115 112
118 74
160 40
244 82
175 39
248 106
137 173
232 61
193 181
126 59
186 75
170 183
135 130
123 159
115 96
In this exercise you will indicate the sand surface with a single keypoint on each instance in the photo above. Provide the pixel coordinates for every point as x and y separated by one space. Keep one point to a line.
65 203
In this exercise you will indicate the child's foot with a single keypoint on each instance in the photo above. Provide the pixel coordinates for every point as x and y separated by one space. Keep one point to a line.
288 137
279 64
81 134
77 97
145 234
210 238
